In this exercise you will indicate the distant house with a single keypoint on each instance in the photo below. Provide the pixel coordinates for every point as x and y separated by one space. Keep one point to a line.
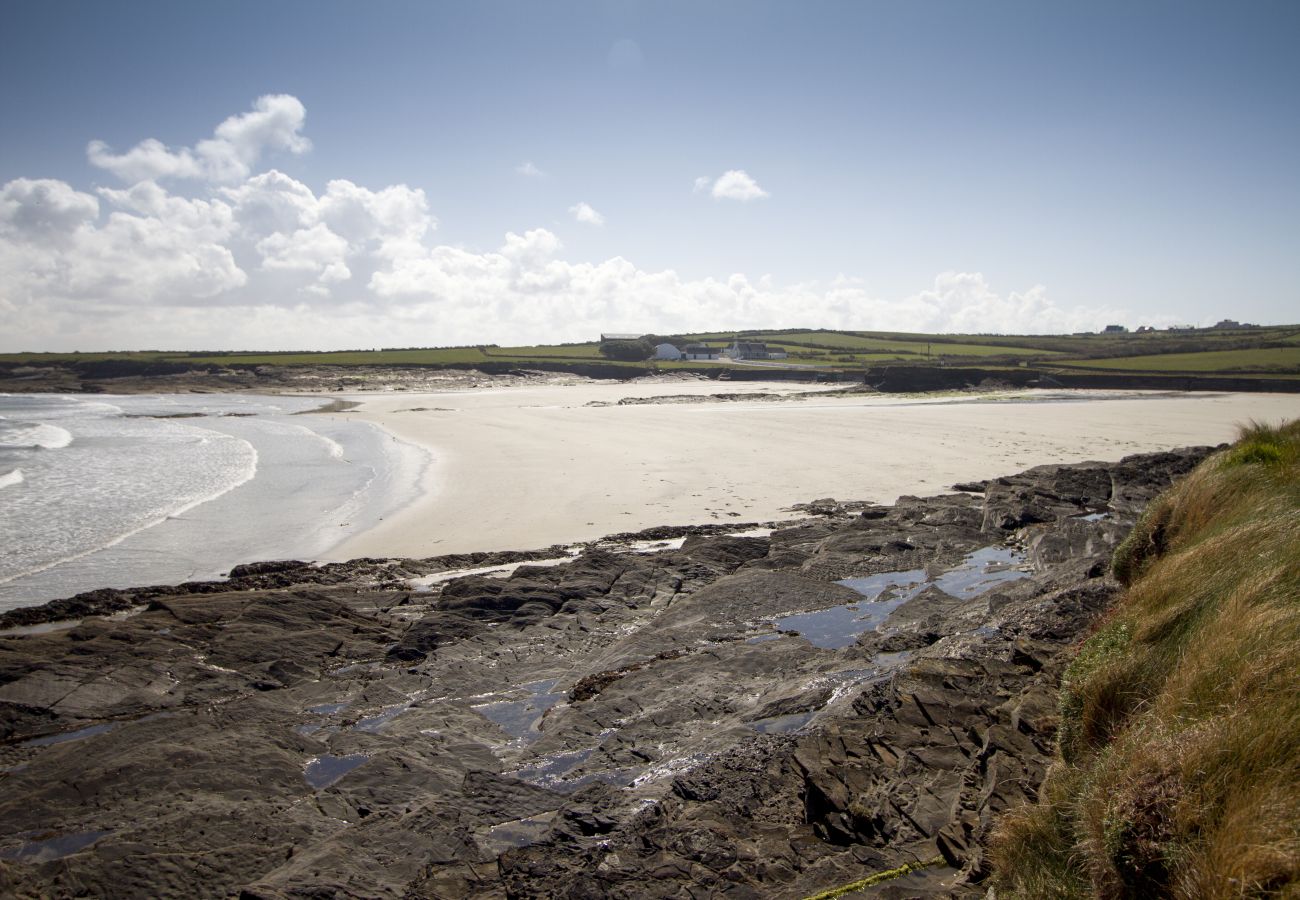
667 351
751 350
1114 329
619 337
699 351
1232 324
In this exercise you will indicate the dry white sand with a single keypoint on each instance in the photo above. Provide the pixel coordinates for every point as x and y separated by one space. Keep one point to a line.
529 467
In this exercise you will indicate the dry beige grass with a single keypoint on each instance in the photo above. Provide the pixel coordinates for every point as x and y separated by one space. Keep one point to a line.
1179 769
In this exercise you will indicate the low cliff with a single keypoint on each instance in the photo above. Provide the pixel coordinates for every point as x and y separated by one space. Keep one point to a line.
1177 770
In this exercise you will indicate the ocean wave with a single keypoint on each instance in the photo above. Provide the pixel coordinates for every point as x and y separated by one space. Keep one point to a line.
11 478
28 435
246 473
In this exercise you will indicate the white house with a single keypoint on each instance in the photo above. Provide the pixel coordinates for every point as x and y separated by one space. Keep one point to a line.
749 350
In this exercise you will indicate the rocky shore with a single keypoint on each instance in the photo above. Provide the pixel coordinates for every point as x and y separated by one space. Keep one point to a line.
732 711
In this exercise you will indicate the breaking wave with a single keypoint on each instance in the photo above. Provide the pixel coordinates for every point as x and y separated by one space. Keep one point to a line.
28 435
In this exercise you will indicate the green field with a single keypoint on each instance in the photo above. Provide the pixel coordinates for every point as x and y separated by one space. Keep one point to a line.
1269 352
921 346
1260 360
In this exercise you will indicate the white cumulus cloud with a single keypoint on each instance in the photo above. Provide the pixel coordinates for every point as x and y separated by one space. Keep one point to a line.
529 170
734 184
274 123
31 208
583 212
259 260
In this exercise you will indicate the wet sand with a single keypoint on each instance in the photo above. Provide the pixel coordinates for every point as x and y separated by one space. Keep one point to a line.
528 467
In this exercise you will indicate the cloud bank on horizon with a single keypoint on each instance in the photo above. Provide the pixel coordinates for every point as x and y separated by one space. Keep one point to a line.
205 247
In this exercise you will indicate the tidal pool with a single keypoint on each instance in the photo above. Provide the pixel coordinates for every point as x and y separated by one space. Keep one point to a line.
322 771
884 592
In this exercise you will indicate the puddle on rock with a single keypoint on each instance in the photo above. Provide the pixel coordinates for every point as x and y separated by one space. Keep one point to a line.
327 709
49 739
892 659
520 718
53 848
519 833
782 724
549 770
984 569
374 724
840 626
322 771
1095 517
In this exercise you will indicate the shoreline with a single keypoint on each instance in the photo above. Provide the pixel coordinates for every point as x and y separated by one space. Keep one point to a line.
527 467
313 481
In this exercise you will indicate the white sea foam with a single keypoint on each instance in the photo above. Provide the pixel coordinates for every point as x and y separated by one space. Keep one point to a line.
332 447
118 506
26 435
248 473
9 478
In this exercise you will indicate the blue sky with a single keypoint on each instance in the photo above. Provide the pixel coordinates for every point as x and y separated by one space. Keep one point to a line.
943 166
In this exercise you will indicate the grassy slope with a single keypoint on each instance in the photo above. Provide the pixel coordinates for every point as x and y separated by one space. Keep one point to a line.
1178 770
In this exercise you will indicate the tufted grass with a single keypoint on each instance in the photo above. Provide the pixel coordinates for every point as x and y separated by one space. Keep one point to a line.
1178 769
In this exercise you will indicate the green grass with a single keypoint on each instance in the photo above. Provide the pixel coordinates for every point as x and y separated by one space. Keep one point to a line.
1250 360
562 351
876 344
1178 765
349 358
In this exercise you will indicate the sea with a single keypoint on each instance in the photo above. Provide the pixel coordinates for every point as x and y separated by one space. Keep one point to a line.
124 491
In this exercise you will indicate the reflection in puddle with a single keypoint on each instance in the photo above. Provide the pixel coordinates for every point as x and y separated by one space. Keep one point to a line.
328 709
782 724
549 770
49 739
840 626
53 848
520 718
1095 517
374 724
322 771
520 833
983 569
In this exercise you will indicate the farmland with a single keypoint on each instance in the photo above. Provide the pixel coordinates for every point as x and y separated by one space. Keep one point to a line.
1272 351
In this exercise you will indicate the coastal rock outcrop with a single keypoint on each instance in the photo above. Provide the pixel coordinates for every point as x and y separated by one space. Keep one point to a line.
756 714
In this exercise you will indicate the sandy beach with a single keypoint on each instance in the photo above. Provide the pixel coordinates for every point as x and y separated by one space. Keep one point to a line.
527 467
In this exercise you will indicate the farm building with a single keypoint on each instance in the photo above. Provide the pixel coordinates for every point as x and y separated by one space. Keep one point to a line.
751 350
699 351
